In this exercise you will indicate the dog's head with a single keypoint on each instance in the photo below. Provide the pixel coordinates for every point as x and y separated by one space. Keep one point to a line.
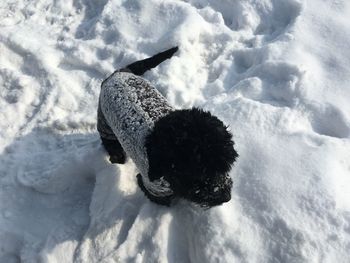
193 151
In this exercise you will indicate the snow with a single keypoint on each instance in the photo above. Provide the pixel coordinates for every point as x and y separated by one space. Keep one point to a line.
276 72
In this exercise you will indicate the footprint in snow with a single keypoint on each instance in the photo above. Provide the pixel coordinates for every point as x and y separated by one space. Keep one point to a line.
47 173
50 164
328 120
268 21
274 83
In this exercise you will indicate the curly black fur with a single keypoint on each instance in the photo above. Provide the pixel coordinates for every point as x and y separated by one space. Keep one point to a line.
194 152
189 151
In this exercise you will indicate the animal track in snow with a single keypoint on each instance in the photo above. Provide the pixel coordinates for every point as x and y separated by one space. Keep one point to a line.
57 163
277 18
47 179
280 84
275 83
92 11
74 63
247 58
253 26
328 120
32 84
263 19
12 87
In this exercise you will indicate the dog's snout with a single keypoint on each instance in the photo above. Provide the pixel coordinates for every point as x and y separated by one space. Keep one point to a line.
219 198
226 196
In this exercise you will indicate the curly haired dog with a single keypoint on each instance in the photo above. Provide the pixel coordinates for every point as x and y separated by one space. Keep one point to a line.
179 153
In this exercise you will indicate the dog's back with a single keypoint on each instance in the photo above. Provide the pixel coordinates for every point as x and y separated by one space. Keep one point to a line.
128 108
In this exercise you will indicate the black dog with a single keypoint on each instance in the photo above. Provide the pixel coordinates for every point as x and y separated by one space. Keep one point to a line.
179 153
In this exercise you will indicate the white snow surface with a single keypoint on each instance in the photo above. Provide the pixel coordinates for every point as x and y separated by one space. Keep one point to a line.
276 71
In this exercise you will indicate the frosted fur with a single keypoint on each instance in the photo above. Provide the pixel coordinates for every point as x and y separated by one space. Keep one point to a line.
128 108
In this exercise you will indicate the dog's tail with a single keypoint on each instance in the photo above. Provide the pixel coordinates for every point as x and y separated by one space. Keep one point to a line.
141 66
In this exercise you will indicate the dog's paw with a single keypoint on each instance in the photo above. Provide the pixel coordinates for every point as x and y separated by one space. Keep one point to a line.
118 158
160 200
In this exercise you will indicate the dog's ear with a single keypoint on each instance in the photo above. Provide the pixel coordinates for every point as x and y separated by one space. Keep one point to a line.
189 144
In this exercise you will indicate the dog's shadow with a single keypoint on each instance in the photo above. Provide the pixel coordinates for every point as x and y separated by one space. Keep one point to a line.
76 195
46 182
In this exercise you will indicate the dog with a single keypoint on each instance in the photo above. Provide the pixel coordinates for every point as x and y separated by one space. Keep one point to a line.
184 153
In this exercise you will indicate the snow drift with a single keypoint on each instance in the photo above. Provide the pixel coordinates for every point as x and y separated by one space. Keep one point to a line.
277 72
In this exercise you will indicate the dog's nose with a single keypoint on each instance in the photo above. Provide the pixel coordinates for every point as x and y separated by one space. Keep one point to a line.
226 196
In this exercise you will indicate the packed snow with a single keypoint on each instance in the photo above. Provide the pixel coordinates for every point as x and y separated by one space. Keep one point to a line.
276 71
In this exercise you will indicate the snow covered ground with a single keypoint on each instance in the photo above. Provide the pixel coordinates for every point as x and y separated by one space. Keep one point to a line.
276 71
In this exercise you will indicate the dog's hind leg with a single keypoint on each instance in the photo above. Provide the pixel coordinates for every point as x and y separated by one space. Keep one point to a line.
109 140
115 150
